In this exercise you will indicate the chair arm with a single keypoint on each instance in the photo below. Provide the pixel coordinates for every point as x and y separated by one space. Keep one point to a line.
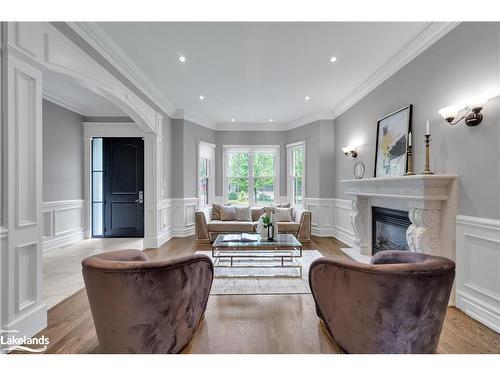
303 217
202 217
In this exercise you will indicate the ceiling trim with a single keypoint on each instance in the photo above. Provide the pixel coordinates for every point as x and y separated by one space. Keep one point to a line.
252 126
194 117
64 102
95 35
427 37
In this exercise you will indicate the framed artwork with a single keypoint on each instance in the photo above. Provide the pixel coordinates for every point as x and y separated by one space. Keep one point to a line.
391 146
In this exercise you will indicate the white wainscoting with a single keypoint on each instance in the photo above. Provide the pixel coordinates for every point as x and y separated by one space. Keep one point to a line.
330 218
176 218
63 223
478 269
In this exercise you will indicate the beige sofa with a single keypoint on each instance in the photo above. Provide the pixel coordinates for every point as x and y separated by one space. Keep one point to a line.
207 229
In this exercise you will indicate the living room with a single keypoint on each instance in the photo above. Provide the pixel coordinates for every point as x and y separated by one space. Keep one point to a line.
250 187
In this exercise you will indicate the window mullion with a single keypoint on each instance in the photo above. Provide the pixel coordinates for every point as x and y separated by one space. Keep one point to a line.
251 194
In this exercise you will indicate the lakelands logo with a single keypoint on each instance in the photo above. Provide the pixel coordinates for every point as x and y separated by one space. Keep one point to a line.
10 340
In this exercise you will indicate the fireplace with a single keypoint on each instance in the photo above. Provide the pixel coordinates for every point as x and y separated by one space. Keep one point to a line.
389 229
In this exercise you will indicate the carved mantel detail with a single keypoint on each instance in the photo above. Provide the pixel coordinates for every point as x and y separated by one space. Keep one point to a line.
359 223
423 233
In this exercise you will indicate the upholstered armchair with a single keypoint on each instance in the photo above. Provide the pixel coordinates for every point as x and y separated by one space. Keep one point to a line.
396 304
142 306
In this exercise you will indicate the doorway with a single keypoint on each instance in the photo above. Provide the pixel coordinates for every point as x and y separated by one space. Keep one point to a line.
117 187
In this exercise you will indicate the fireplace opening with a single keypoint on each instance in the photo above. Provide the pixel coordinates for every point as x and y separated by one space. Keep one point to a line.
389 229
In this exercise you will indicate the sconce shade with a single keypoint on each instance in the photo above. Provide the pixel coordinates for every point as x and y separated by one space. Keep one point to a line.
449 112
350 151
478 101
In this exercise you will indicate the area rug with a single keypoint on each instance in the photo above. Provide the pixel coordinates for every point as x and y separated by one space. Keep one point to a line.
266 285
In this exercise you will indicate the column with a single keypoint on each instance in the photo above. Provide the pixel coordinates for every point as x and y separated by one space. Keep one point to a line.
23 312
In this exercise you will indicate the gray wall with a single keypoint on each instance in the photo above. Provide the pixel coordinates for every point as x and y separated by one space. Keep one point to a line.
183 151
319 137
62 153
192 134
463 63
167 144
184 155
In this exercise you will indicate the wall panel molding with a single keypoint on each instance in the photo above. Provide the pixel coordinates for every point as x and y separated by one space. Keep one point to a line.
330 218
64 223
478 269
27 112
176 218
26 293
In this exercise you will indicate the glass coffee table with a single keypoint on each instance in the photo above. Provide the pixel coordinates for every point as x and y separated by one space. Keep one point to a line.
247 255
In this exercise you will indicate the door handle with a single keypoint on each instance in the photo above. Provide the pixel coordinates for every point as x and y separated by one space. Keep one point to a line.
141 198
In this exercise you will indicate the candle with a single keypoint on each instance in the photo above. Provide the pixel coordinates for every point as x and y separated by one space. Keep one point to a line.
427 131
409 139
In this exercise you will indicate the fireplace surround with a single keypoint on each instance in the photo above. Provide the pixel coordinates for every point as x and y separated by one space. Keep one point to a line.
430 200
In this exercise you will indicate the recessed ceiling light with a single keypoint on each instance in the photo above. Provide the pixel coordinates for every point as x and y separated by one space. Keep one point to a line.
307 98
233 120
270 120
333 59
182 59
202 97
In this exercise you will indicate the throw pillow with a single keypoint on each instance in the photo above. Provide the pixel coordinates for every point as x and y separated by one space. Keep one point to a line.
285 205
268 210
283 214
243 214
227 213
257 213
216 210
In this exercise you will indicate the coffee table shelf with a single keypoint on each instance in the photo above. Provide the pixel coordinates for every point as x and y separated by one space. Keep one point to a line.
279 258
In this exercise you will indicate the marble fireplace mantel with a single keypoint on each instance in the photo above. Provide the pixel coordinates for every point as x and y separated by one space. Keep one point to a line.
431 202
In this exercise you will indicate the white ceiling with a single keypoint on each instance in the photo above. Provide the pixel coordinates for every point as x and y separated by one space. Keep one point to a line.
76 98
253 72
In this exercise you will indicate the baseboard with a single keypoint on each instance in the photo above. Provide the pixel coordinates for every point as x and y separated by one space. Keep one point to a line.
182 232
478 267
50 243
343 236
30 323
479 310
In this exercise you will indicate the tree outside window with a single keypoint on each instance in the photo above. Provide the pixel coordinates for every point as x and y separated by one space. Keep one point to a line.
296 173
250 177
204 176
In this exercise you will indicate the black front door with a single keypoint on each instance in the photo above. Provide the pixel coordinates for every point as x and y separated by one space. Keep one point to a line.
123 187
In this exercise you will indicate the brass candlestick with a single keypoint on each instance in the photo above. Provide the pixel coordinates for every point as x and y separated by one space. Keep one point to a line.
427 141
410 162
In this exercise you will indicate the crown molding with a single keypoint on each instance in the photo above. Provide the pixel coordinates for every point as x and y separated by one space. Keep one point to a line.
423 40
64 102
252 126
95 35
194 117
322 115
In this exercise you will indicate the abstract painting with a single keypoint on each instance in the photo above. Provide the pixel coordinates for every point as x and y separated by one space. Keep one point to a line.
392 138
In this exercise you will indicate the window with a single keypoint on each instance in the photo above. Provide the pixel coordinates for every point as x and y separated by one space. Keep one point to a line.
250 174
296 172
97 187
206 162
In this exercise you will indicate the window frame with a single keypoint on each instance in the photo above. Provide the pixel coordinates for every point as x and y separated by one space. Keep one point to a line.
210 172
251 150
290 171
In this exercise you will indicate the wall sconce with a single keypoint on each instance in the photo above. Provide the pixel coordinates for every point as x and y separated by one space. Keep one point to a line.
350 151
472 116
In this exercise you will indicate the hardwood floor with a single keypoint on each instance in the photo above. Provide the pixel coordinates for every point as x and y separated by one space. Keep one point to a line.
253 323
